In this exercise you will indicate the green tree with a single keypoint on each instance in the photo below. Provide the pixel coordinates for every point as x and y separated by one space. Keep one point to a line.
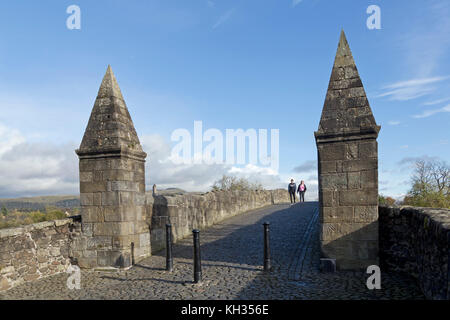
386 201
430 185
4 211
54 214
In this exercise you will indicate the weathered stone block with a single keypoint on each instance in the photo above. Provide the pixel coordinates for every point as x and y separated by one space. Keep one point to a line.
329 198
359 165
113 228
110 198
358 197
329 152
327 166
368 149
336 181
87 199
92 214
98 177
139 199
123 186
98 242
122 242
337 214
87 263
118 175
336 249
126 198
122 213
366 213
351 151
118 259
354 180
97 198
86 176
369 179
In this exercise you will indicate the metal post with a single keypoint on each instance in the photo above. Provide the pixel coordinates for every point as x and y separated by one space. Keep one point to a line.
267 265
132 254
197 257
169 259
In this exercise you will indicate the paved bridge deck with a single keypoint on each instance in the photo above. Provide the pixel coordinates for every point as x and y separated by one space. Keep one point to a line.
232 255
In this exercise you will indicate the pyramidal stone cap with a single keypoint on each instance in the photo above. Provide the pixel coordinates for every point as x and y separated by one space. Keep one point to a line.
110 130
346 111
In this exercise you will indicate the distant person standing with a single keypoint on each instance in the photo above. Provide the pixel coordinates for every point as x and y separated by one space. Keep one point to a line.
301 191
291 188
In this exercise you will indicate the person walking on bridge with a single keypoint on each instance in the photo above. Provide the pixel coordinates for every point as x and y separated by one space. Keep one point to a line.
292 188
301 191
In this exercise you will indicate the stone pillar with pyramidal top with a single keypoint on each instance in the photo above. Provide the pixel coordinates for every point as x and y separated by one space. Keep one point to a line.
112 184
348 168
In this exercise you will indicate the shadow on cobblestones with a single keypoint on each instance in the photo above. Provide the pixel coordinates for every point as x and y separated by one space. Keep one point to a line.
242 243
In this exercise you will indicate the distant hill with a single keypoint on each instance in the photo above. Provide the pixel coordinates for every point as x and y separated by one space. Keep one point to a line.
40 203
64 202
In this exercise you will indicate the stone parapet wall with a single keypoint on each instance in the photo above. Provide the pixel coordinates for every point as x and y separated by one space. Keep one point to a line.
194 211
417 241
35 251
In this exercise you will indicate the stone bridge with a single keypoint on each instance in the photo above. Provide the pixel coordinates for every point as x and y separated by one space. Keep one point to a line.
118 238
232 256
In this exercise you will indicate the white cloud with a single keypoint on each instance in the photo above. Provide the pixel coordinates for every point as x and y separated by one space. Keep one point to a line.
9 139
32 169
223 18
394 123
296 2
163 172
29 169
432 103
410 89
428 113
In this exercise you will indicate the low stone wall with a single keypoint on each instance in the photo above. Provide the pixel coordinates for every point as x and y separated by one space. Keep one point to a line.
35 251
416 241
194 211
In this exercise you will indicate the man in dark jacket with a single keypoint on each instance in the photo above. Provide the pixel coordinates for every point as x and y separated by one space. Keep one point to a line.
292 188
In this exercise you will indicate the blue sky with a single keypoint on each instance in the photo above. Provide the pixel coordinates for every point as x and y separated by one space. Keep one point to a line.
231 64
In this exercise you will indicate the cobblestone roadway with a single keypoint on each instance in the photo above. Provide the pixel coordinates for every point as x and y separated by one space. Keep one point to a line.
232 255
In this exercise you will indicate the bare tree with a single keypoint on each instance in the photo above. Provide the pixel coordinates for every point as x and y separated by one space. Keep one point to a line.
440 173
232 183
431 185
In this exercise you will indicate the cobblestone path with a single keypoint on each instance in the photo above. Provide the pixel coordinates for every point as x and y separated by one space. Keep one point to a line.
232 257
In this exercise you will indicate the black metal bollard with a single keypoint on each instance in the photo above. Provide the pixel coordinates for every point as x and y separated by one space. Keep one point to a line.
197 257
132 254
169 259
267 265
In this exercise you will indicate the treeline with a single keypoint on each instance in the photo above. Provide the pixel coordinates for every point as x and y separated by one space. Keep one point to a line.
232 183
16 218
430 186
